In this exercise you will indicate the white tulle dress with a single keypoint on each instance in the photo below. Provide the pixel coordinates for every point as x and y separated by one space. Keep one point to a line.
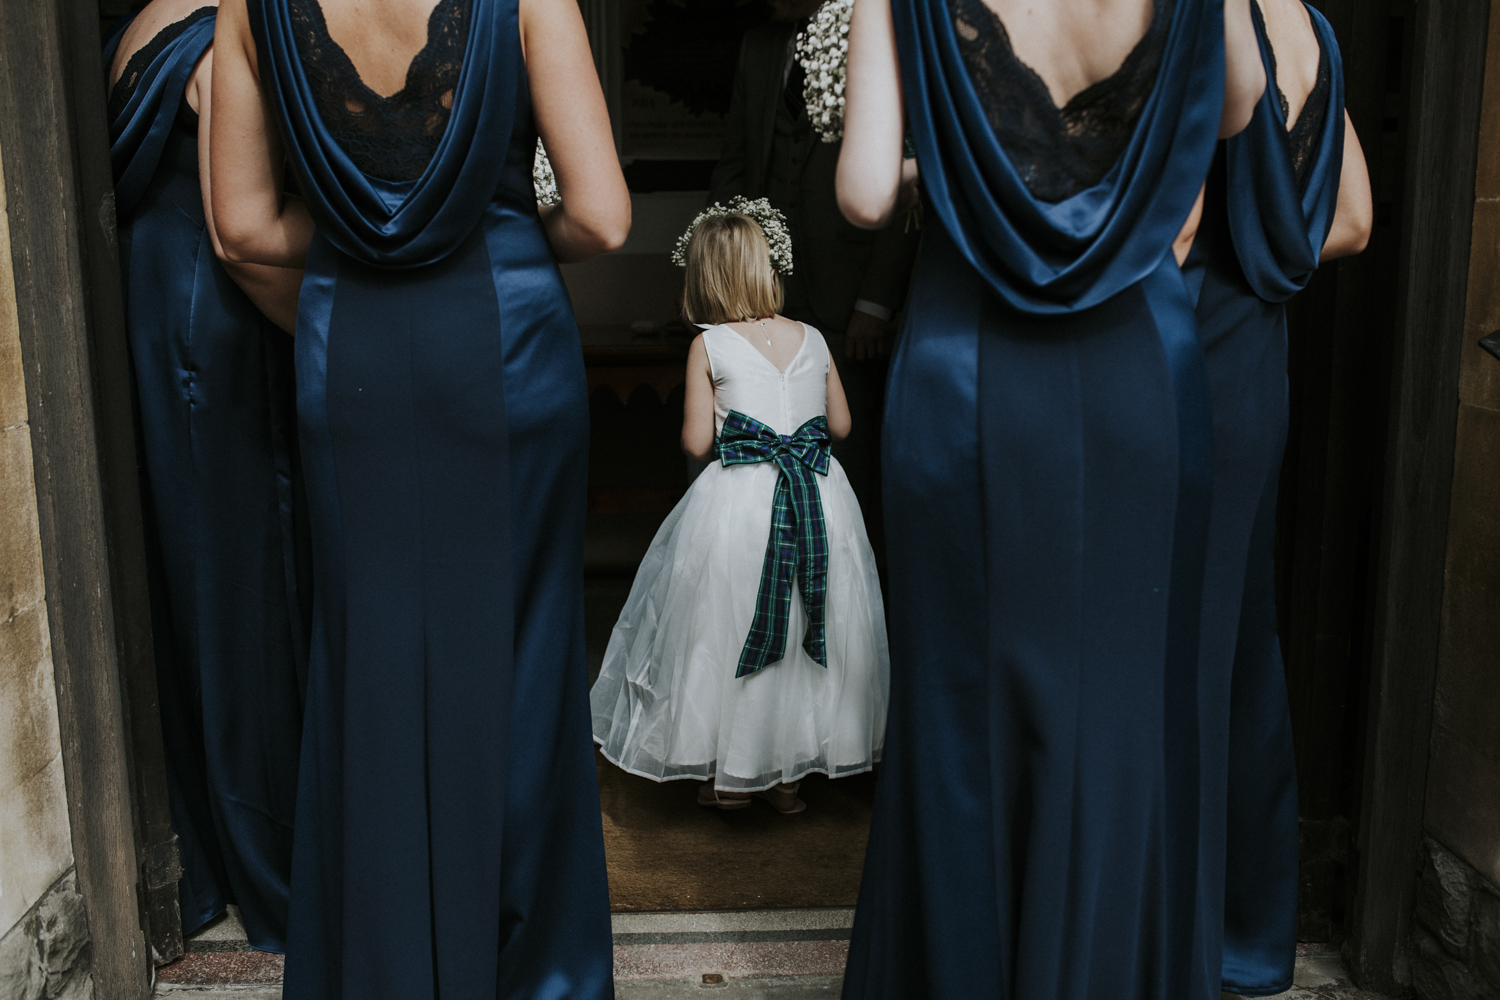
667 703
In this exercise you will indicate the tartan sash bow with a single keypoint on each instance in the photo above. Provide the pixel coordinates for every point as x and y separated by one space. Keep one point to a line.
798 546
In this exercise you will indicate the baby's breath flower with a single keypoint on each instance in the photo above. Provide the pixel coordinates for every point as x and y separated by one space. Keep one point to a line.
543 179
771 222
823 51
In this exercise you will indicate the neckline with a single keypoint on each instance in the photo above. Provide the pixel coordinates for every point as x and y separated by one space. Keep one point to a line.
1062 109
751 344
316 7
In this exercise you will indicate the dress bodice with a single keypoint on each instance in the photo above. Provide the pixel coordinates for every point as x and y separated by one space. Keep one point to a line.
745 380
139 63
1057 151
394 137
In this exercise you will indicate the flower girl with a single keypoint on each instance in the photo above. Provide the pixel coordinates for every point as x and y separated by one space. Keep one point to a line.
752 649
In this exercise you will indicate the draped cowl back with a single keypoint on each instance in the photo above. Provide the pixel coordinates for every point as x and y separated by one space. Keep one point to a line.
138 135
383 223
1046 258
1279 230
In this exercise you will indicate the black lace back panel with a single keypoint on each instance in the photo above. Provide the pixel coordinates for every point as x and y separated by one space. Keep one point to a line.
1307 130
1057 151
124 88
395 137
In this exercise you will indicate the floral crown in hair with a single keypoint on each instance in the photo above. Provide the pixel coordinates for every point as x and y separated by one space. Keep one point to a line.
771 222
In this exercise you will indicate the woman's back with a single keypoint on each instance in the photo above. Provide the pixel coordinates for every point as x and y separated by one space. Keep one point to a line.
388 110
1072 45
1061 137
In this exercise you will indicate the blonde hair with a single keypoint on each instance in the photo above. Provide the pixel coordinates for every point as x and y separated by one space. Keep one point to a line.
729 276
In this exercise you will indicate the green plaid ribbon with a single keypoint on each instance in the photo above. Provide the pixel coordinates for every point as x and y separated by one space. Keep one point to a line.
798 546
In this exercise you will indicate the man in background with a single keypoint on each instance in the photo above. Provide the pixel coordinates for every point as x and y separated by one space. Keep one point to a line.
847 282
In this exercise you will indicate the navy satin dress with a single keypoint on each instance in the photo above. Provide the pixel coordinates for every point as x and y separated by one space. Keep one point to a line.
1262 233
1040 828
449 841
215 401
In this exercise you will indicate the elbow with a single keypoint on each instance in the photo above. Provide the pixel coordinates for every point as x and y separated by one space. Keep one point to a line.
609 235
235 246
1347 241
236 240
604 231
1363 229
864 212
696 449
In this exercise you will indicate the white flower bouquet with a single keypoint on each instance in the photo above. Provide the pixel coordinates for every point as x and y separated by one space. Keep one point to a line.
771 222
823 51
543 179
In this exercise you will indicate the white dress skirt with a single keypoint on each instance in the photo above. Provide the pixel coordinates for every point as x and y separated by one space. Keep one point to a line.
667 703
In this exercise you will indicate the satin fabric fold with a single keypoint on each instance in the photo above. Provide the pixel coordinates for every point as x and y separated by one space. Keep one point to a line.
397 225
1258 243
1040 826
1279 229
214 393
1053 258
449 840
138 136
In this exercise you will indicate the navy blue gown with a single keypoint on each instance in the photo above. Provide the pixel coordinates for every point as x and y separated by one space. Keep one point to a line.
449 841
1269 207
215 402
1040 829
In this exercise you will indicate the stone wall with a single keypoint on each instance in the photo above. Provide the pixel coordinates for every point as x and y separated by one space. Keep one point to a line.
1457 956
42 925
46 955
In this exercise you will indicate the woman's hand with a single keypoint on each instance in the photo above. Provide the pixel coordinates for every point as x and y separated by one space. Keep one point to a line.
255 221
871 170
571 116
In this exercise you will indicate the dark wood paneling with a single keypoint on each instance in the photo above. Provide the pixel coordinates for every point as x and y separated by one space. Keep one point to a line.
61 208
1341 332
158 866
1446 76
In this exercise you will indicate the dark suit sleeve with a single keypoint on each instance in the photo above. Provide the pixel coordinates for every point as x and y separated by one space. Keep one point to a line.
728 177
888 273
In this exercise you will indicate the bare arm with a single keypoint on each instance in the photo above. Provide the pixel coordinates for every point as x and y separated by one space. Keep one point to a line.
870 171
1354 217
571 116
839 422
698 404
1244 71
257 223
273 290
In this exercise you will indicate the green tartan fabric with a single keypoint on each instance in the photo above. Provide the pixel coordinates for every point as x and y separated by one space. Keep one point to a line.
798 546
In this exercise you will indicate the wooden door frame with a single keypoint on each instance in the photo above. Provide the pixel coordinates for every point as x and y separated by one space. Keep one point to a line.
1447 61
60 201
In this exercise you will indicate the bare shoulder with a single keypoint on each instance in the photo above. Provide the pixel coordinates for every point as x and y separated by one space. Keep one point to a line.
1286 16
156 16
547 15
698 351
